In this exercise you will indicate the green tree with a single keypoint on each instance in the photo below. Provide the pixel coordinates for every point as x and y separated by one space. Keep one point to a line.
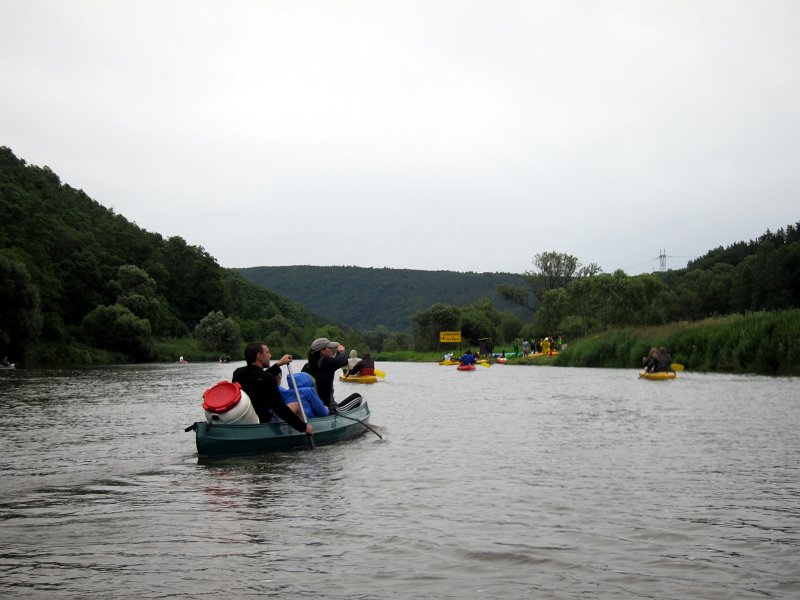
554 270
136 290
377 340
194 281
510 326
479 320
517 294
428 323
475 325
116 328
217 332
554 309
20 316
83 284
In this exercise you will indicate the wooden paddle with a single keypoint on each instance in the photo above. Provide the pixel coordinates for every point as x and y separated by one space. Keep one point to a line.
300 402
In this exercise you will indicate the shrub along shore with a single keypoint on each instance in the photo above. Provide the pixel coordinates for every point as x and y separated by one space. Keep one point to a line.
766 343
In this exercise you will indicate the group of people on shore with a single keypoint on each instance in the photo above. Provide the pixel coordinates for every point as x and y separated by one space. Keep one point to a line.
313 386
657 360
546 346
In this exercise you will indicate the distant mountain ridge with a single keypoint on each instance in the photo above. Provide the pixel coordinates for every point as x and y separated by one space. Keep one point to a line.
365 298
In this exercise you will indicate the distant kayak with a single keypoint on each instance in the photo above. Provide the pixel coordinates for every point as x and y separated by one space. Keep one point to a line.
466 367
657 376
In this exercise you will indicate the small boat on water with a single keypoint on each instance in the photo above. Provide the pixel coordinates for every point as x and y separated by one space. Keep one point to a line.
8 366
223 439
657 376
449 363
466 367
358 378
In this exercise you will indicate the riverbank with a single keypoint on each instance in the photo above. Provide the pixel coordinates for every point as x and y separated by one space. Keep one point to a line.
764 343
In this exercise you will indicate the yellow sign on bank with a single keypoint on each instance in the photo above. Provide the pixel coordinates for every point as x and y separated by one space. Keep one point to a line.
450 336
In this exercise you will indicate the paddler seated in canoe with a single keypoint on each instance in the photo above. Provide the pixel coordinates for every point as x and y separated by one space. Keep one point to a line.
257 379
324 359
351 362
468 358
364 367
650 362
313 406
664 359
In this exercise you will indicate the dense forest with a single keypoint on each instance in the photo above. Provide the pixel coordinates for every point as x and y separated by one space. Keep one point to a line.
559 297
367 298
572 301
82 284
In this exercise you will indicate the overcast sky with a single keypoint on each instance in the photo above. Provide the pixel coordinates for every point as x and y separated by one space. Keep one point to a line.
456 135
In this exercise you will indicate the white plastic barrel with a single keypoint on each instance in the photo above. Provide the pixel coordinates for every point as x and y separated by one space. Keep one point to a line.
227 403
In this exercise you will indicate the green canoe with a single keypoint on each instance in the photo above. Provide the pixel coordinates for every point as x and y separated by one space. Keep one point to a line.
221 439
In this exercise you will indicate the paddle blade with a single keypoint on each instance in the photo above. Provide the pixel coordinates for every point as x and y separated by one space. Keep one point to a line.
676 367
380 373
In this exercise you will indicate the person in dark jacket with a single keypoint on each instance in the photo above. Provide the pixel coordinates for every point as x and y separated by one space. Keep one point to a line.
364 367
322 365
664 360
257 379
650 362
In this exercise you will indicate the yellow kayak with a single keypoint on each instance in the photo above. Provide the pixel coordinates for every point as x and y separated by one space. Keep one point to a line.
657 376
359 378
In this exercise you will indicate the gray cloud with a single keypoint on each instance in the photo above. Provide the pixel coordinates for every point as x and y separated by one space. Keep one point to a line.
433 135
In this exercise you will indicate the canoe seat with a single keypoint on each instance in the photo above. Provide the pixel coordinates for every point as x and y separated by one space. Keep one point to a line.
349 403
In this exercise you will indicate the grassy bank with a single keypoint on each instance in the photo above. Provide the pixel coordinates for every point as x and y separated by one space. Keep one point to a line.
766 343
761 343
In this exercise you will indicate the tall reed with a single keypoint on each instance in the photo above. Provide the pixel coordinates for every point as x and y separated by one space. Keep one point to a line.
759 342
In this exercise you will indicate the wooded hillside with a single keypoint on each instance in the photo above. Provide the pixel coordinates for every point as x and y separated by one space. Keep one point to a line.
74 274
80 284
367 298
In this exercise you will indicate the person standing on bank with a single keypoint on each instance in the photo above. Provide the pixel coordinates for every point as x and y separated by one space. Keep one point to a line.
257 379
322 365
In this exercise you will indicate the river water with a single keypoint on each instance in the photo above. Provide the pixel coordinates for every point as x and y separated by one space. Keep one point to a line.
506 482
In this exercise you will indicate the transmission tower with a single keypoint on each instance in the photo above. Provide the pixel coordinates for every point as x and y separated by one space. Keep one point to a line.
662 260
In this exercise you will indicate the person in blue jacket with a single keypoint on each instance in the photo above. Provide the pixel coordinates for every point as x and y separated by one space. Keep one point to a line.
312 404
468 358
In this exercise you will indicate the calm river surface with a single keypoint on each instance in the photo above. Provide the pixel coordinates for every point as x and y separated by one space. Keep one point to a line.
508 482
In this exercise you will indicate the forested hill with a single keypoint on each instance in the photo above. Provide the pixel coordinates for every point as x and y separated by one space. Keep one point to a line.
365 298
75 275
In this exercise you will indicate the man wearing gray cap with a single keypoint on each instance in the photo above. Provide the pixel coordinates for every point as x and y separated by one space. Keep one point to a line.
324 359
